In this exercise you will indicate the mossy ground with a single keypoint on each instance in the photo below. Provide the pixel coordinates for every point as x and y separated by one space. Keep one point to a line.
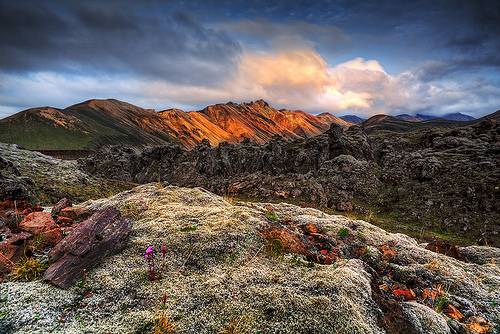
389 221
221 272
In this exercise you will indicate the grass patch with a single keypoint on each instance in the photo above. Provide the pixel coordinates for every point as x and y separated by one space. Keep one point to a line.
272 216
190 228
162 324
343 233
28 269
441 303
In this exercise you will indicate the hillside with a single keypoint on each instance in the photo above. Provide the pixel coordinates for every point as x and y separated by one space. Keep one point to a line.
424 117
353 119
95 123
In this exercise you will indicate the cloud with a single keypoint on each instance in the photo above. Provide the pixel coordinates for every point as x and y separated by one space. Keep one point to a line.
291 35
153 54
294 79
93 37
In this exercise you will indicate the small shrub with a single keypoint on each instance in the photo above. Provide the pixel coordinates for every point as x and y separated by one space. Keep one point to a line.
162 324
189 228
275 248
131 210
239 325
28 269
272 216
343 233
37 243
441 303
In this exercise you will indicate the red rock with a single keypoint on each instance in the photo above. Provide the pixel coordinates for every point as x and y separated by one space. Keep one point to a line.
52 237
64 221
62 204
37 208
38 222
407 294
75 213
311 228
13 248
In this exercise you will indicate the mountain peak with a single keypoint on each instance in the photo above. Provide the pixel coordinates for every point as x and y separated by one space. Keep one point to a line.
259 102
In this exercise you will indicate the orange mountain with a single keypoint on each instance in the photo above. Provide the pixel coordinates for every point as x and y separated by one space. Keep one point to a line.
233 122
94 123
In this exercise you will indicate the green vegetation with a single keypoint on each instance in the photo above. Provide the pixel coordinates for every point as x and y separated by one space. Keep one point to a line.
343 233
28 269
275 248
272 216
40 136
189 228
441 303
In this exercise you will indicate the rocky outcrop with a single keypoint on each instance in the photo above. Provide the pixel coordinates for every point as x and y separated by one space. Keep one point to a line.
35 177
104 233
433 179
12 184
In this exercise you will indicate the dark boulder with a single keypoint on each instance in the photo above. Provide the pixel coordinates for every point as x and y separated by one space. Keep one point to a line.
105 233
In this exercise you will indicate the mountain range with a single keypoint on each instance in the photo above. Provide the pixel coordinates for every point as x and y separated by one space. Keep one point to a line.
415 118
94 123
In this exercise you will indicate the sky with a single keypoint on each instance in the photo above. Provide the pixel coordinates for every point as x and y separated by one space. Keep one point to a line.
343 57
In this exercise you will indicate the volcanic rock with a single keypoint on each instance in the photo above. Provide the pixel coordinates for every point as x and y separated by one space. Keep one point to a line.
104 233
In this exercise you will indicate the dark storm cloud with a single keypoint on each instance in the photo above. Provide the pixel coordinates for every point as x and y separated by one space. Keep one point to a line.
123 37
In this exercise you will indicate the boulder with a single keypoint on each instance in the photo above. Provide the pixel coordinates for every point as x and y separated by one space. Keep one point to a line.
37 222
104 233
14 246
75 213
41 224
64 221
62 204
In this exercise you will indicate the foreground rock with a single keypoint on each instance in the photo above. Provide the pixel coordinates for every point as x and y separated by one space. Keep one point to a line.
271 268
104 233
41 224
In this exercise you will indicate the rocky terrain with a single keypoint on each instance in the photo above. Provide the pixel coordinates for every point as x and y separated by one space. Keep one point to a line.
94 123
196 263
32 176
438 181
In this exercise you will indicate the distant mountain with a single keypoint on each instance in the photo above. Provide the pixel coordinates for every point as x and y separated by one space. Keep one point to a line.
406 123
458 117
95 123
424 117
352 119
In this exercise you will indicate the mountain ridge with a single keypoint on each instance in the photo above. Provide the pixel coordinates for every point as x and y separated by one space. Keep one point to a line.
97 122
